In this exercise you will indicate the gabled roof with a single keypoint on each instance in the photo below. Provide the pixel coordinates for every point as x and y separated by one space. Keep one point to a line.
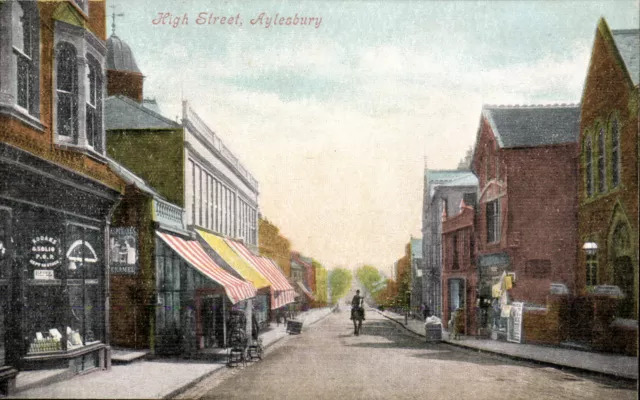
532 126
121 112
628 43
449 178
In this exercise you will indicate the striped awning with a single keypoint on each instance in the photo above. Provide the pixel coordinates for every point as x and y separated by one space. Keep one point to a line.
243 268
282 293
192 253
305 290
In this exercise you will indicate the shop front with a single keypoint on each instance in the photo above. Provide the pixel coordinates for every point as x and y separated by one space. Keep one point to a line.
491 268
196 298
53 235
227 258
281 293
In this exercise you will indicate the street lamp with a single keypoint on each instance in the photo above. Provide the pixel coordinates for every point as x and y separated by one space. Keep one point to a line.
591 249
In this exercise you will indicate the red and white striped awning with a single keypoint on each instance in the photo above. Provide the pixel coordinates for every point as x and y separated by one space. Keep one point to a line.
191 252
282 293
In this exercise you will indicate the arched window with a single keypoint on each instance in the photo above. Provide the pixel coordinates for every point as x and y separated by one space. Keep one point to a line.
602 169
615 153
588 155
66 90
94 104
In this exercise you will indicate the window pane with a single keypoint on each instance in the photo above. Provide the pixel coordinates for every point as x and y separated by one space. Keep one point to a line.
24 77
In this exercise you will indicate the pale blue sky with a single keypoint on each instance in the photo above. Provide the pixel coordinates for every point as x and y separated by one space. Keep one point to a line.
335 122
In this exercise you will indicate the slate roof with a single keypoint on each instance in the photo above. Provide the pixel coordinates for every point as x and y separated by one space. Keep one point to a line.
628 44
119 55
449 178
121 112
131 178
532 126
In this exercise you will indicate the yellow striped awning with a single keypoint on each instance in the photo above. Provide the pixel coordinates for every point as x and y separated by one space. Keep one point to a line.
246 271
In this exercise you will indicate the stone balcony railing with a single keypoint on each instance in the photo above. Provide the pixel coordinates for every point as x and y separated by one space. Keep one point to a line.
191 119
168 214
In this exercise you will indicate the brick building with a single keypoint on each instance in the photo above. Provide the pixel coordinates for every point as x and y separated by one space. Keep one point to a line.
526 224
459 276
57 191
608 167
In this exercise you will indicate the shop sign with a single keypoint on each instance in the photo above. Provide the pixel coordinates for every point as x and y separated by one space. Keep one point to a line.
123 249
515 323
45 252
43 274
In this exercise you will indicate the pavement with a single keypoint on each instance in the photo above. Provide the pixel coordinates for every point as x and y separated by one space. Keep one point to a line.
144 379
613 365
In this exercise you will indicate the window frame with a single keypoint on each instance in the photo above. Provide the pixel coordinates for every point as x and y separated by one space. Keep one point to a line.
616 162
89 50
494 234
602 161
588 162
12 56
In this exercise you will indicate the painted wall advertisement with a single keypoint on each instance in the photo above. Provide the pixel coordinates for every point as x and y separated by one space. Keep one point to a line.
123 248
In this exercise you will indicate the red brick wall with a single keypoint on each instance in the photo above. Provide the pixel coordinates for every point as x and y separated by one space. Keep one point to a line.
41 143
126 83
607 91
541 211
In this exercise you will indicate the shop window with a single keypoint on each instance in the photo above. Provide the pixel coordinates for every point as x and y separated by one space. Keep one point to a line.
64 287
493 221
168 270
602 172
5 259
588 168
615 153
84 268
66 90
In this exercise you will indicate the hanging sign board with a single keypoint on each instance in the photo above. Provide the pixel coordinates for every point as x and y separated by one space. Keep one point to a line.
515 323
123 249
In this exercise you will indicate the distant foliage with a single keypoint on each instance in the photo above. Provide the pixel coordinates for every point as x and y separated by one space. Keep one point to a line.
370 278
339 282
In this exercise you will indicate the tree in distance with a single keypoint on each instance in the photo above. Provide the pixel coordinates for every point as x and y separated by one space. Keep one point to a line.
339 282
370 278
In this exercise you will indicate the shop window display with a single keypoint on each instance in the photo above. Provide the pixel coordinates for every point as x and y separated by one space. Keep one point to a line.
63 285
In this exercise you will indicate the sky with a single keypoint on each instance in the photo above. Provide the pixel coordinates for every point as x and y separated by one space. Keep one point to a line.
337 118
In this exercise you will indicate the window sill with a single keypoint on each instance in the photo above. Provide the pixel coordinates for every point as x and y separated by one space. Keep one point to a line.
88 151
22 115
599 196
61 354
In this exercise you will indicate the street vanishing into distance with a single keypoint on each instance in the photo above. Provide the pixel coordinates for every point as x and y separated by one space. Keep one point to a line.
327 361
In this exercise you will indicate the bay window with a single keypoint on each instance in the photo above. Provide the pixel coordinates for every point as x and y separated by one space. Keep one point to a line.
67 90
